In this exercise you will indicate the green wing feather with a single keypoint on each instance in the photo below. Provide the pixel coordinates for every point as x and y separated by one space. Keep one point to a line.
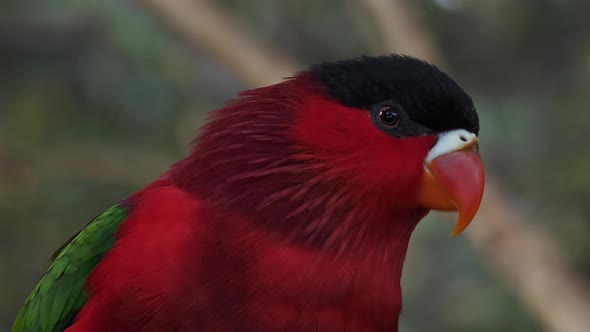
59 294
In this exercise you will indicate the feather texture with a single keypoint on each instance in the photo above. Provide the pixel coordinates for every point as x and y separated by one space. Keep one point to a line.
59 295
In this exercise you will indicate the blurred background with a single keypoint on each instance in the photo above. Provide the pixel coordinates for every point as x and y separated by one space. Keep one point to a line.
97 98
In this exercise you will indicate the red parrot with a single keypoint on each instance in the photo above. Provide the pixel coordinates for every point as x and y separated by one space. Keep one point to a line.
293 212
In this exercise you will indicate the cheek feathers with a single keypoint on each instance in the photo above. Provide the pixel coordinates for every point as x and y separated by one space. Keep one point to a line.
347 143
332 129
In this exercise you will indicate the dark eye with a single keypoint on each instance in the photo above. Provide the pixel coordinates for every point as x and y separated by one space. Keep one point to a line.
391 118
388 117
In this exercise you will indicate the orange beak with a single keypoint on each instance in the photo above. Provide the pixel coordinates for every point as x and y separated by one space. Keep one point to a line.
454 181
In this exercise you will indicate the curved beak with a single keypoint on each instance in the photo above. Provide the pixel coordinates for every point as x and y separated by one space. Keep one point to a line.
453 178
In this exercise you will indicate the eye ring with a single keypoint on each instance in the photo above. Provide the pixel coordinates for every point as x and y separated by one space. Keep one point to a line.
388 116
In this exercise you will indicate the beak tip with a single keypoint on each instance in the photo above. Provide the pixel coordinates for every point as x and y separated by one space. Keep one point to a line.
458 230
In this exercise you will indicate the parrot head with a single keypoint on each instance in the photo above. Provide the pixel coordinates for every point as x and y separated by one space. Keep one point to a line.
343 152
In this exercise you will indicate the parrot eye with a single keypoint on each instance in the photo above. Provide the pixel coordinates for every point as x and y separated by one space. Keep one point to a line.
391 118
388 117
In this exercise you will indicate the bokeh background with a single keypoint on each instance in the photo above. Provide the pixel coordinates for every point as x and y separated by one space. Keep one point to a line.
98 97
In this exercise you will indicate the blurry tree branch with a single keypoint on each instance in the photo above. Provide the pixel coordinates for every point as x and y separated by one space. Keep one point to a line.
530 262
522 255
525 258
207 27
395 19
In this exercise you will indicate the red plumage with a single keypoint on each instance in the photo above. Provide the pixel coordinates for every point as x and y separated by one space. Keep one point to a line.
281 219
294 210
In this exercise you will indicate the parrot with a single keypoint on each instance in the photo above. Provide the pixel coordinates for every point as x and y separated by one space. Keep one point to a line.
292 211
